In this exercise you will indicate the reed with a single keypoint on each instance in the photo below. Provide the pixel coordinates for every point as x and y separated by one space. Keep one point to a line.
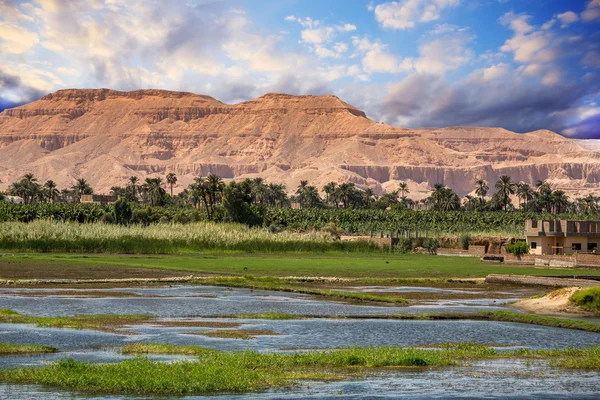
48 236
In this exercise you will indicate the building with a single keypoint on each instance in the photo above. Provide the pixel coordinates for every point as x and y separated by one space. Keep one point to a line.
554 237
13 199
97 199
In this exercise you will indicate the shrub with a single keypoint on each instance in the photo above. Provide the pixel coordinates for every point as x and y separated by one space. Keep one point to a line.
464 241
588 299
123 212
431 245
404 246
518 248
333 229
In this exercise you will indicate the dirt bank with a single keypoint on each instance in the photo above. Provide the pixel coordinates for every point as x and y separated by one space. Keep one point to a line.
554 303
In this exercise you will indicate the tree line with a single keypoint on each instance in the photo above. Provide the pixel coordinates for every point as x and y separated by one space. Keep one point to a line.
239 199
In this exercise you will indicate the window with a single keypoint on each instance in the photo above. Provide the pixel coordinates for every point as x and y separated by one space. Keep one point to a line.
592 246
534 224
593 227
576 246
533 245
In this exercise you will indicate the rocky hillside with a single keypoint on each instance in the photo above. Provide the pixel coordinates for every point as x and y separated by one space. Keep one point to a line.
106 136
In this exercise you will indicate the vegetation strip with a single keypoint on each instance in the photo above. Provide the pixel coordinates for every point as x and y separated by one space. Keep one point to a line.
218 372
102 322
500 316
244 334
12 349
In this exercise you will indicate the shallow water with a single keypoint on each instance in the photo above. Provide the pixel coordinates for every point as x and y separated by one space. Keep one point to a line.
196 301
490 378
497 379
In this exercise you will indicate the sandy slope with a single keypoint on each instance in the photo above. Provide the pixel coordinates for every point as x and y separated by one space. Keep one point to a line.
554 303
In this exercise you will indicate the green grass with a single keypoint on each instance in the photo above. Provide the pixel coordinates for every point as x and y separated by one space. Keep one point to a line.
12 349
102 322
219 372
162 348
588 299
368 266
285 285
71 237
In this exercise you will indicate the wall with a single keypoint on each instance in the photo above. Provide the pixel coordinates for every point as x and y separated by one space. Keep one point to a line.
477 250
588 260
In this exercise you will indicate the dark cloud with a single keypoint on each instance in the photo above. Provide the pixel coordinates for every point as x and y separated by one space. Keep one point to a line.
587 129
13 86
513 102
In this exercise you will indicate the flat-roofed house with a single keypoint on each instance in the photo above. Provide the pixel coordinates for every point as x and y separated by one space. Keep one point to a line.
555 237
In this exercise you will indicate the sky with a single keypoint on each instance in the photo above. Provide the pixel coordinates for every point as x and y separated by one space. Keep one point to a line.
518 64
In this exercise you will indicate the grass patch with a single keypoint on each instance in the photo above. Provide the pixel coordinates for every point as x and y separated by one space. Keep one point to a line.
588 299
11 349
219 372
400 268
197 324
244 334
274 316
162 348
103 322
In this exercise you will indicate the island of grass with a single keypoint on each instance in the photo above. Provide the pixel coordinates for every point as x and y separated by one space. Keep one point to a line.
219 372
14 349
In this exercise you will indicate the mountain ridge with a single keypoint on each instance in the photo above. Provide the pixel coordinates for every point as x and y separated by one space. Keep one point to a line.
106 136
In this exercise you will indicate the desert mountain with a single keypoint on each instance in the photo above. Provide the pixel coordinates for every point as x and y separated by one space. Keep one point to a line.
107 136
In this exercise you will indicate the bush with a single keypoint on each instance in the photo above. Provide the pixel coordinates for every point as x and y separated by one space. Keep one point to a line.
588 299
518 248
431 245
464 241
123 212
333 229
404 246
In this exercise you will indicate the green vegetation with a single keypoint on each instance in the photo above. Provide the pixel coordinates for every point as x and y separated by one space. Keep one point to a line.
588 299
518 248
107 323
244 334
287 285
393 268
162 348
11 349
217 372
45 236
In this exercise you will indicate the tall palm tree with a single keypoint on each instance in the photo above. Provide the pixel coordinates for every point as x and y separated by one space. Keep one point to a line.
505 187
559 201
171 180
133 181
369 196
51 190
215 186
524 192
330 193
437 193
153 187
403 188
481 189
80 188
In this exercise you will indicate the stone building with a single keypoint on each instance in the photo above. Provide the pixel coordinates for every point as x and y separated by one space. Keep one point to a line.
555 237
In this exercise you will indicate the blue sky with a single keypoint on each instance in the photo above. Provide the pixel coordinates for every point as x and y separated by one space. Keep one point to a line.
519 64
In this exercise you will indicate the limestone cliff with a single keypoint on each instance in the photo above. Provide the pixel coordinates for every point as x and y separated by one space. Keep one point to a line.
106 136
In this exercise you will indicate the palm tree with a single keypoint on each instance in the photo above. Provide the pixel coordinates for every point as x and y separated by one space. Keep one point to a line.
505 187
437 193
171 180
525 193
369 196
308 196
330 193
214 186
153 187
27 188
559 200
481 189
51 190
133 180
80 188
403 188
277 195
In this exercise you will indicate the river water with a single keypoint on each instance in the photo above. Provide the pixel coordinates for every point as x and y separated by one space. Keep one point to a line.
489 378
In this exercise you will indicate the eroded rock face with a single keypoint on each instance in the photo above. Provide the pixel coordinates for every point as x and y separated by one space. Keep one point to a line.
106 136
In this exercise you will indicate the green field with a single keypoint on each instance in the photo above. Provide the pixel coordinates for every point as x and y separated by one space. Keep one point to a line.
375 265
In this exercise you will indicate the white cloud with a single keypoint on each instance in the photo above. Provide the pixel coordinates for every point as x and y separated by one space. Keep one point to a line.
551 78
567 18
592 12
405 14
346 28
318 35
444 54
16 39
376 59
